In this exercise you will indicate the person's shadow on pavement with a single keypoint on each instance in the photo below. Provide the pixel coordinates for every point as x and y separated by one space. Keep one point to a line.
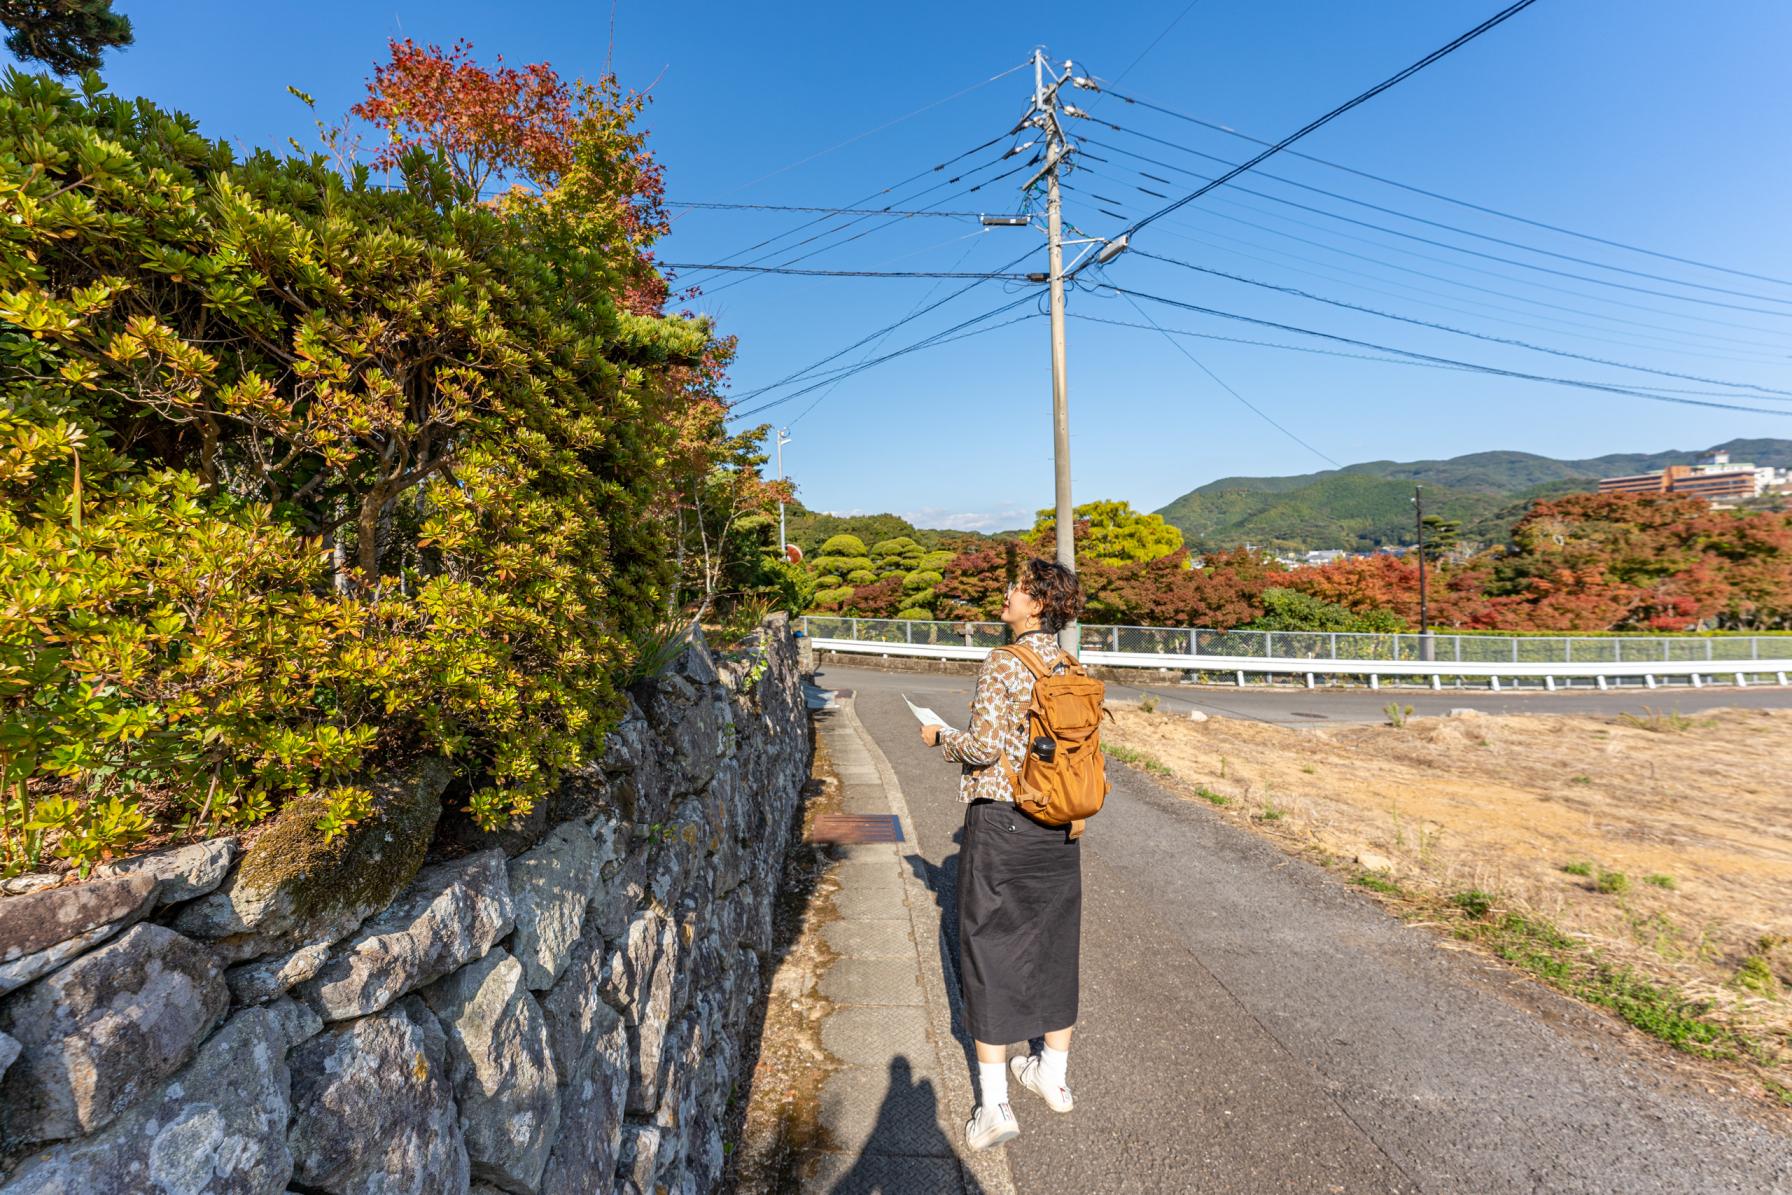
942 881
907 1128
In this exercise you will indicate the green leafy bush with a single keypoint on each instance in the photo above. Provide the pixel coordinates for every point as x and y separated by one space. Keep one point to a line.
843 545
860 576
1292 610
921 579
300 479
936 562
899 555
915 615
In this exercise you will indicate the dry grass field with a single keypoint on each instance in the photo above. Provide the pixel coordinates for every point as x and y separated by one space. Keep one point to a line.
1642 863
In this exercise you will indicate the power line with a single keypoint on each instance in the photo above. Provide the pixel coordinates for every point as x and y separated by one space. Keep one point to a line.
913 312
832 211
851 370
1407 291
1491 211
877 335
1404 215
919 174
1317 351
875 227
679 265
1469 365
1775 350
888 124
1174 21
1218 381
1526 265
1777 354
1523 344
1498 18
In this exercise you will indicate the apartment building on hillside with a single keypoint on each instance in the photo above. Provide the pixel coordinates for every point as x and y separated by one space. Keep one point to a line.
1715 478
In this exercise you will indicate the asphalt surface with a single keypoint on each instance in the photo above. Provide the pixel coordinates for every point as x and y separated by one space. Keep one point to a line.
1291 706
1250 1024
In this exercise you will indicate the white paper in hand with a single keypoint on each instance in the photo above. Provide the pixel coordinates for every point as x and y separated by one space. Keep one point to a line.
923 715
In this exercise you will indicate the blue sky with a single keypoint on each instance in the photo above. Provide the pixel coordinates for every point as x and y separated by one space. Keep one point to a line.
1651 123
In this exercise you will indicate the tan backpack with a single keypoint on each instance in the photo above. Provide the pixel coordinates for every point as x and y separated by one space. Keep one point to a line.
1066 708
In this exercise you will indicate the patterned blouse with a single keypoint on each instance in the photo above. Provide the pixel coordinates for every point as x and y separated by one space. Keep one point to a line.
998 720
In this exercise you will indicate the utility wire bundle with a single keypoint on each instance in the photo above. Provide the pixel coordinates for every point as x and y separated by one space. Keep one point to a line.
1145 183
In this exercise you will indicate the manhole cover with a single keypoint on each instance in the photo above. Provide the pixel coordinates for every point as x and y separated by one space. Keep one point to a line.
856 827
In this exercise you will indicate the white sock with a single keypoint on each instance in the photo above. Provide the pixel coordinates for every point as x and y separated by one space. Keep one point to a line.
992 1083
1053 1065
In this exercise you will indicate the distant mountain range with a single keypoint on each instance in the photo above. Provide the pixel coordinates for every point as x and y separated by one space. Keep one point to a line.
1368 505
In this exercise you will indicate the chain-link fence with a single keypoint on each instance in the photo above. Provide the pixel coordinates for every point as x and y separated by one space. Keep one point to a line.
1331 645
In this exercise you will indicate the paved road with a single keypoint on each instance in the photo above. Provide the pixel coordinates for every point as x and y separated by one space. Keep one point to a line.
1250 1024
1292 706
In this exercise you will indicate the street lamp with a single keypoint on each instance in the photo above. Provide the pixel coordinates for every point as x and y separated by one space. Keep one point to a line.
783 540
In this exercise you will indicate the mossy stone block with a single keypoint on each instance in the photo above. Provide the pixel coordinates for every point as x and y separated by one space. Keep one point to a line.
292 882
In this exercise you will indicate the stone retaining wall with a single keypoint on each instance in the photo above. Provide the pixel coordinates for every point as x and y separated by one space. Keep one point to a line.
421 1007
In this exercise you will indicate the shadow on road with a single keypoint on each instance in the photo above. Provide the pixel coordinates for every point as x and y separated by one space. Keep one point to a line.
942 881
907 1128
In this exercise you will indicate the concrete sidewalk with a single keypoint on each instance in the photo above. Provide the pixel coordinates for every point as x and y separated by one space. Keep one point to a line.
893 1114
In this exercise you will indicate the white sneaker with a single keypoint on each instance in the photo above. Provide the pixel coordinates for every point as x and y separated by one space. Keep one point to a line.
1026 1068
991 1126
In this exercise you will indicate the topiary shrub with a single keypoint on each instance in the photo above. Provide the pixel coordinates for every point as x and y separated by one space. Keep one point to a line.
860 576
921 579
914 615
843 545
898 555
834 598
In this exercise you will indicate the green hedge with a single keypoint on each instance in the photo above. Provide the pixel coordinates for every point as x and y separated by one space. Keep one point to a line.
301 479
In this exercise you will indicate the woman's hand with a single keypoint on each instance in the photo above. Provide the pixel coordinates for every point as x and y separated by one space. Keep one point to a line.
930 735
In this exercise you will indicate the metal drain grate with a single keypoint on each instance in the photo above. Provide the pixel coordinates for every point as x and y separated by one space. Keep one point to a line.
856 827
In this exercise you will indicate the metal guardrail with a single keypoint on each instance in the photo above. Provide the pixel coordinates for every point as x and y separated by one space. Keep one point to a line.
1599 660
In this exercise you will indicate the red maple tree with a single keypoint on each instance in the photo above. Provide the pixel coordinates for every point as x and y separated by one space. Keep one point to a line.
561 152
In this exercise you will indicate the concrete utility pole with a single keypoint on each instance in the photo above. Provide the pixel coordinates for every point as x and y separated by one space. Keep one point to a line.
1046 115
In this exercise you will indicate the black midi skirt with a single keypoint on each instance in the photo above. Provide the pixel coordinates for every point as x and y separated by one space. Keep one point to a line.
1020 910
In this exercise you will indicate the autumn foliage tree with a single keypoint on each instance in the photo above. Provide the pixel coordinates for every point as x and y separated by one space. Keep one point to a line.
1581 562
571 155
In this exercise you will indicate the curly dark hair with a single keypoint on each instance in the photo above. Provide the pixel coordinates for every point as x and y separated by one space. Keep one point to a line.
1056 589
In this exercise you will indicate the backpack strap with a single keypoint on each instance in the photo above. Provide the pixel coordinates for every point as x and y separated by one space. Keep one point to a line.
1027 656
1035 662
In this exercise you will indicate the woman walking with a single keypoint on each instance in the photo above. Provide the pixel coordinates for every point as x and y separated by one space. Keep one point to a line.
1020 882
